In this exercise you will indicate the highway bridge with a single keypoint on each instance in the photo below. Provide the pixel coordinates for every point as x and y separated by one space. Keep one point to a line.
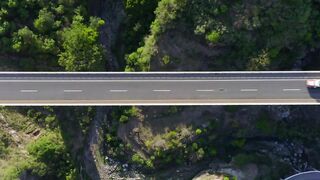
158 88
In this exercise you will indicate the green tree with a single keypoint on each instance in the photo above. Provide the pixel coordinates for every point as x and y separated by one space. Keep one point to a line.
25 41
81 50
45 21
51 156
136 158
124 119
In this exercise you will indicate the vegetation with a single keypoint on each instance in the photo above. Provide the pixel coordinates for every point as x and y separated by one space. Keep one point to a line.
166 12
255 36
41 32
81 51
51 156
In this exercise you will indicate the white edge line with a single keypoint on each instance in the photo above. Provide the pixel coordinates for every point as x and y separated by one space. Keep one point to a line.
155 80
155 72
155 104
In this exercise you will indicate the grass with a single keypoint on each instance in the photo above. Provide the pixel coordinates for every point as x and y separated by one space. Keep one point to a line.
16 121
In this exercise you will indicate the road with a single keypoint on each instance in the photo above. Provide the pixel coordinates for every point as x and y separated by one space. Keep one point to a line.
158 88
309 175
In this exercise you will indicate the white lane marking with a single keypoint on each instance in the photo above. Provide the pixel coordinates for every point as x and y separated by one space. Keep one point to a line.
72 90
205 90
161 90
28 91
291 89
249 90
118 90
159 80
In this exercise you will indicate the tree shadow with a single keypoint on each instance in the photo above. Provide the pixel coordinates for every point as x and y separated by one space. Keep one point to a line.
76 141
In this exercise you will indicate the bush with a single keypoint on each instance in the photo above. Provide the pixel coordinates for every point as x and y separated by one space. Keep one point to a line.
136 158
213 37
51 155
123 119
198 131
45 21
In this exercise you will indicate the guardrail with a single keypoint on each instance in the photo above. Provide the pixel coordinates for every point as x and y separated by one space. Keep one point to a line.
161 75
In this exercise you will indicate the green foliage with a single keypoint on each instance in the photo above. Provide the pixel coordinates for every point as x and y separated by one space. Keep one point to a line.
51 156
132 112
200 154
260 63
5 141
25 40
166 59
136 158
198 131
138 21
31 29
264 124
213 37
44 118
14 172
166 12
45 21
124 119
81 50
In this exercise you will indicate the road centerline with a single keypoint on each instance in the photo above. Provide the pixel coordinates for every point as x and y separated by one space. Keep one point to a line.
118 90
205 90
28 90
291 89
72 90
161 90
249 90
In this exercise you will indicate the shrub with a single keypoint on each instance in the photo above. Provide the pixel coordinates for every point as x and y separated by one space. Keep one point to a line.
136 158
123 119
51 156
213 37
198 131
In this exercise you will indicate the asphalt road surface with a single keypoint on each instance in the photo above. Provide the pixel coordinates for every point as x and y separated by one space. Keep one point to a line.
310 175
184 88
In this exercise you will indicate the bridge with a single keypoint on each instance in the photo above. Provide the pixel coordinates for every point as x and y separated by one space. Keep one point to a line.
158 88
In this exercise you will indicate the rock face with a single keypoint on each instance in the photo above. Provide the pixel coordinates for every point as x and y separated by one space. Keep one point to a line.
112 12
